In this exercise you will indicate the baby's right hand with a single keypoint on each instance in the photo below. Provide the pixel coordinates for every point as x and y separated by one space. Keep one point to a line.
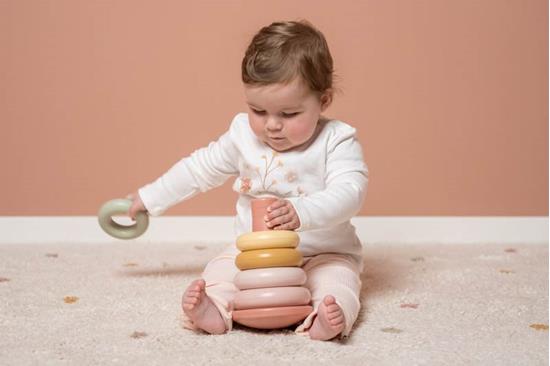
137 205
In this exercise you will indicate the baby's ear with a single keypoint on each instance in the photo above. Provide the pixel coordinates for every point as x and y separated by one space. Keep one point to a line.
326 99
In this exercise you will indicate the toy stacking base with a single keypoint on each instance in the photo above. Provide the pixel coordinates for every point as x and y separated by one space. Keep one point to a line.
270 281
272 318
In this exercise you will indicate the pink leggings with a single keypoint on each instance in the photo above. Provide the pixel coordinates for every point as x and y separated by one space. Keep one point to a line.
327 274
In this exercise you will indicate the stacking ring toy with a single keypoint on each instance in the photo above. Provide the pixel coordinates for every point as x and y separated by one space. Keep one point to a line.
268 239
279 257
117 207
271 297
270 277
272 318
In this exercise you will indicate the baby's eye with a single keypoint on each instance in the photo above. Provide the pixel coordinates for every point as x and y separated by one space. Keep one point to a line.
290 115
257 112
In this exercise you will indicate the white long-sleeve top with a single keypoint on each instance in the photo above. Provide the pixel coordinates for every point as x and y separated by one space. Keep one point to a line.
326 183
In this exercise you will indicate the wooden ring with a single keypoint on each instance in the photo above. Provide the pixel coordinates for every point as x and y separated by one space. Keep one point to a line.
272 318
118 207
271 297
278 257
268 239
270 277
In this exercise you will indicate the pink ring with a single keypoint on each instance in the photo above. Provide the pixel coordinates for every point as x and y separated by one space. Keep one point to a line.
270 277
271 297
272 318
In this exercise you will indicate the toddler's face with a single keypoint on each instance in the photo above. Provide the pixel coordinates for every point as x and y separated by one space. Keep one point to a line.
284 116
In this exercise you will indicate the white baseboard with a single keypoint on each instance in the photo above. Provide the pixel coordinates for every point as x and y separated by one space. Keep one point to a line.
384 229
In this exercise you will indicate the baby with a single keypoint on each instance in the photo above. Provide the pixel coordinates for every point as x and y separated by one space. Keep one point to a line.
282 147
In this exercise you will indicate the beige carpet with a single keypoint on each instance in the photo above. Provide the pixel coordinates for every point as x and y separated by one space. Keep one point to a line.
119 303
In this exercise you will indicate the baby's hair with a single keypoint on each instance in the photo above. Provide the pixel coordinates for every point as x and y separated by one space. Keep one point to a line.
280 52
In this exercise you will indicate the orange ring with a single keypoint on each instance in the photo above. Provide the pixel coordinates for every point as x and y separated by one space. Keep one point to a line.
278 257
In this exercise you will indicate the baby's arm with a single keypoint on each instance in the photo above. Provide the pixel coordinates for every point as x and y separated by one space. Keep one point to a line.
345 186
203 170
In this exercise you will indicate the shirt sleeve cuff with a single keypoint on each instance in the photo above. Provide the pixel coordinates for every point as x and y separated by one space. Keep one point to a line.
146 193
302 214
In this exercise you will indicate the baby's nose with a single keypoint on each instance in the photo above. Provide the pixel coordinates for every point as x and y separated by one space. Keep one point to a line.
273 124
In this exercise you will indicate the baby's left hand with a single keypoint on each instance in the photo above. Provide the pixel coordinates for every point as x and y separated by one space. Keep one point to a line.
282 216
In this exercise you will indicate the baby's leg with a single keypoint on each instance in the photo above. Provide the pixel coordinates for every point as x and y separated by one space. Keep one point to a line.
200 310
207 302
335 285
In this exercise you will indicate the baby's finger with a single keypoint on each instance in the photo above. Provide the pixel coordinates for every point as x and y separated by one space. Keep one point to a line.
275 205
293 224
278 212
280 220
132 212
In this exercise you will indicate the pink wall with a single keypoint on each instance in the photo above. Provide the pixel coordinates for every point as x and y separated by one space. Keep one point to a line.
450 98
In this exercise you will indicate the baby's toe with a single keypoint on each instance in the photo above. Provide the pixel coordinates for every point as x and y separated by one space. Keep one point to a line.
189 304
333 308
197 284
334 314
192 299
337 320
192 293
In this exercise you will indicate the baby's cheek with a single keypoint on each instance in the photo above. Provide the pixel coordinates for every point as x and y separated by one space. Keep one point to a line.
257 127
300 132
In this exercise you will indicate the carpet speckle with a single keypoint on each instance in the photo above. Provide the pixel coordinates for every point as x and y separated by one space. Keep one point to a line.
4 279
410 306
510 250
52 255
539 326
391 330
130 264
70 299
138 335
417 259
506 271
200 247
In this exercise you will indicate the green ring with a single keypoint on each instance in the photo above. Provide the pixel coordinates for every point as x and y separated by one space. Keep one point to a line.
117 207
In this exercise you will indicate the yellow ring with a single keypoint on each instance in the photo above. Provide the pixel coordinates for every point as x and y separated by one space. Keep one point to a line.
263 258
268 239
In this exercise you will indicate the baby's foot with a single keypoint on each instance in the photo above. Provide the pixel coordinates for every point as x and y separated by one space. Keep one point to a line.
201 310
329 321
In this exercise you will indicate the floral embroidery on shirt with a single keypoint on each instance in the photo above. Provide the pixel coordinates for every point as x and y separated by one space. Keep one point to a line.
246 184
268 178
270 166
291 176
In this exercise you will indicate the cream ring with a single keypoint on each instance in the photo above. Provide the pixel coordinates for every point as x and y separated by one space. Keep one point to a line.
271 318
270 277
271 297
268 239
278 257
